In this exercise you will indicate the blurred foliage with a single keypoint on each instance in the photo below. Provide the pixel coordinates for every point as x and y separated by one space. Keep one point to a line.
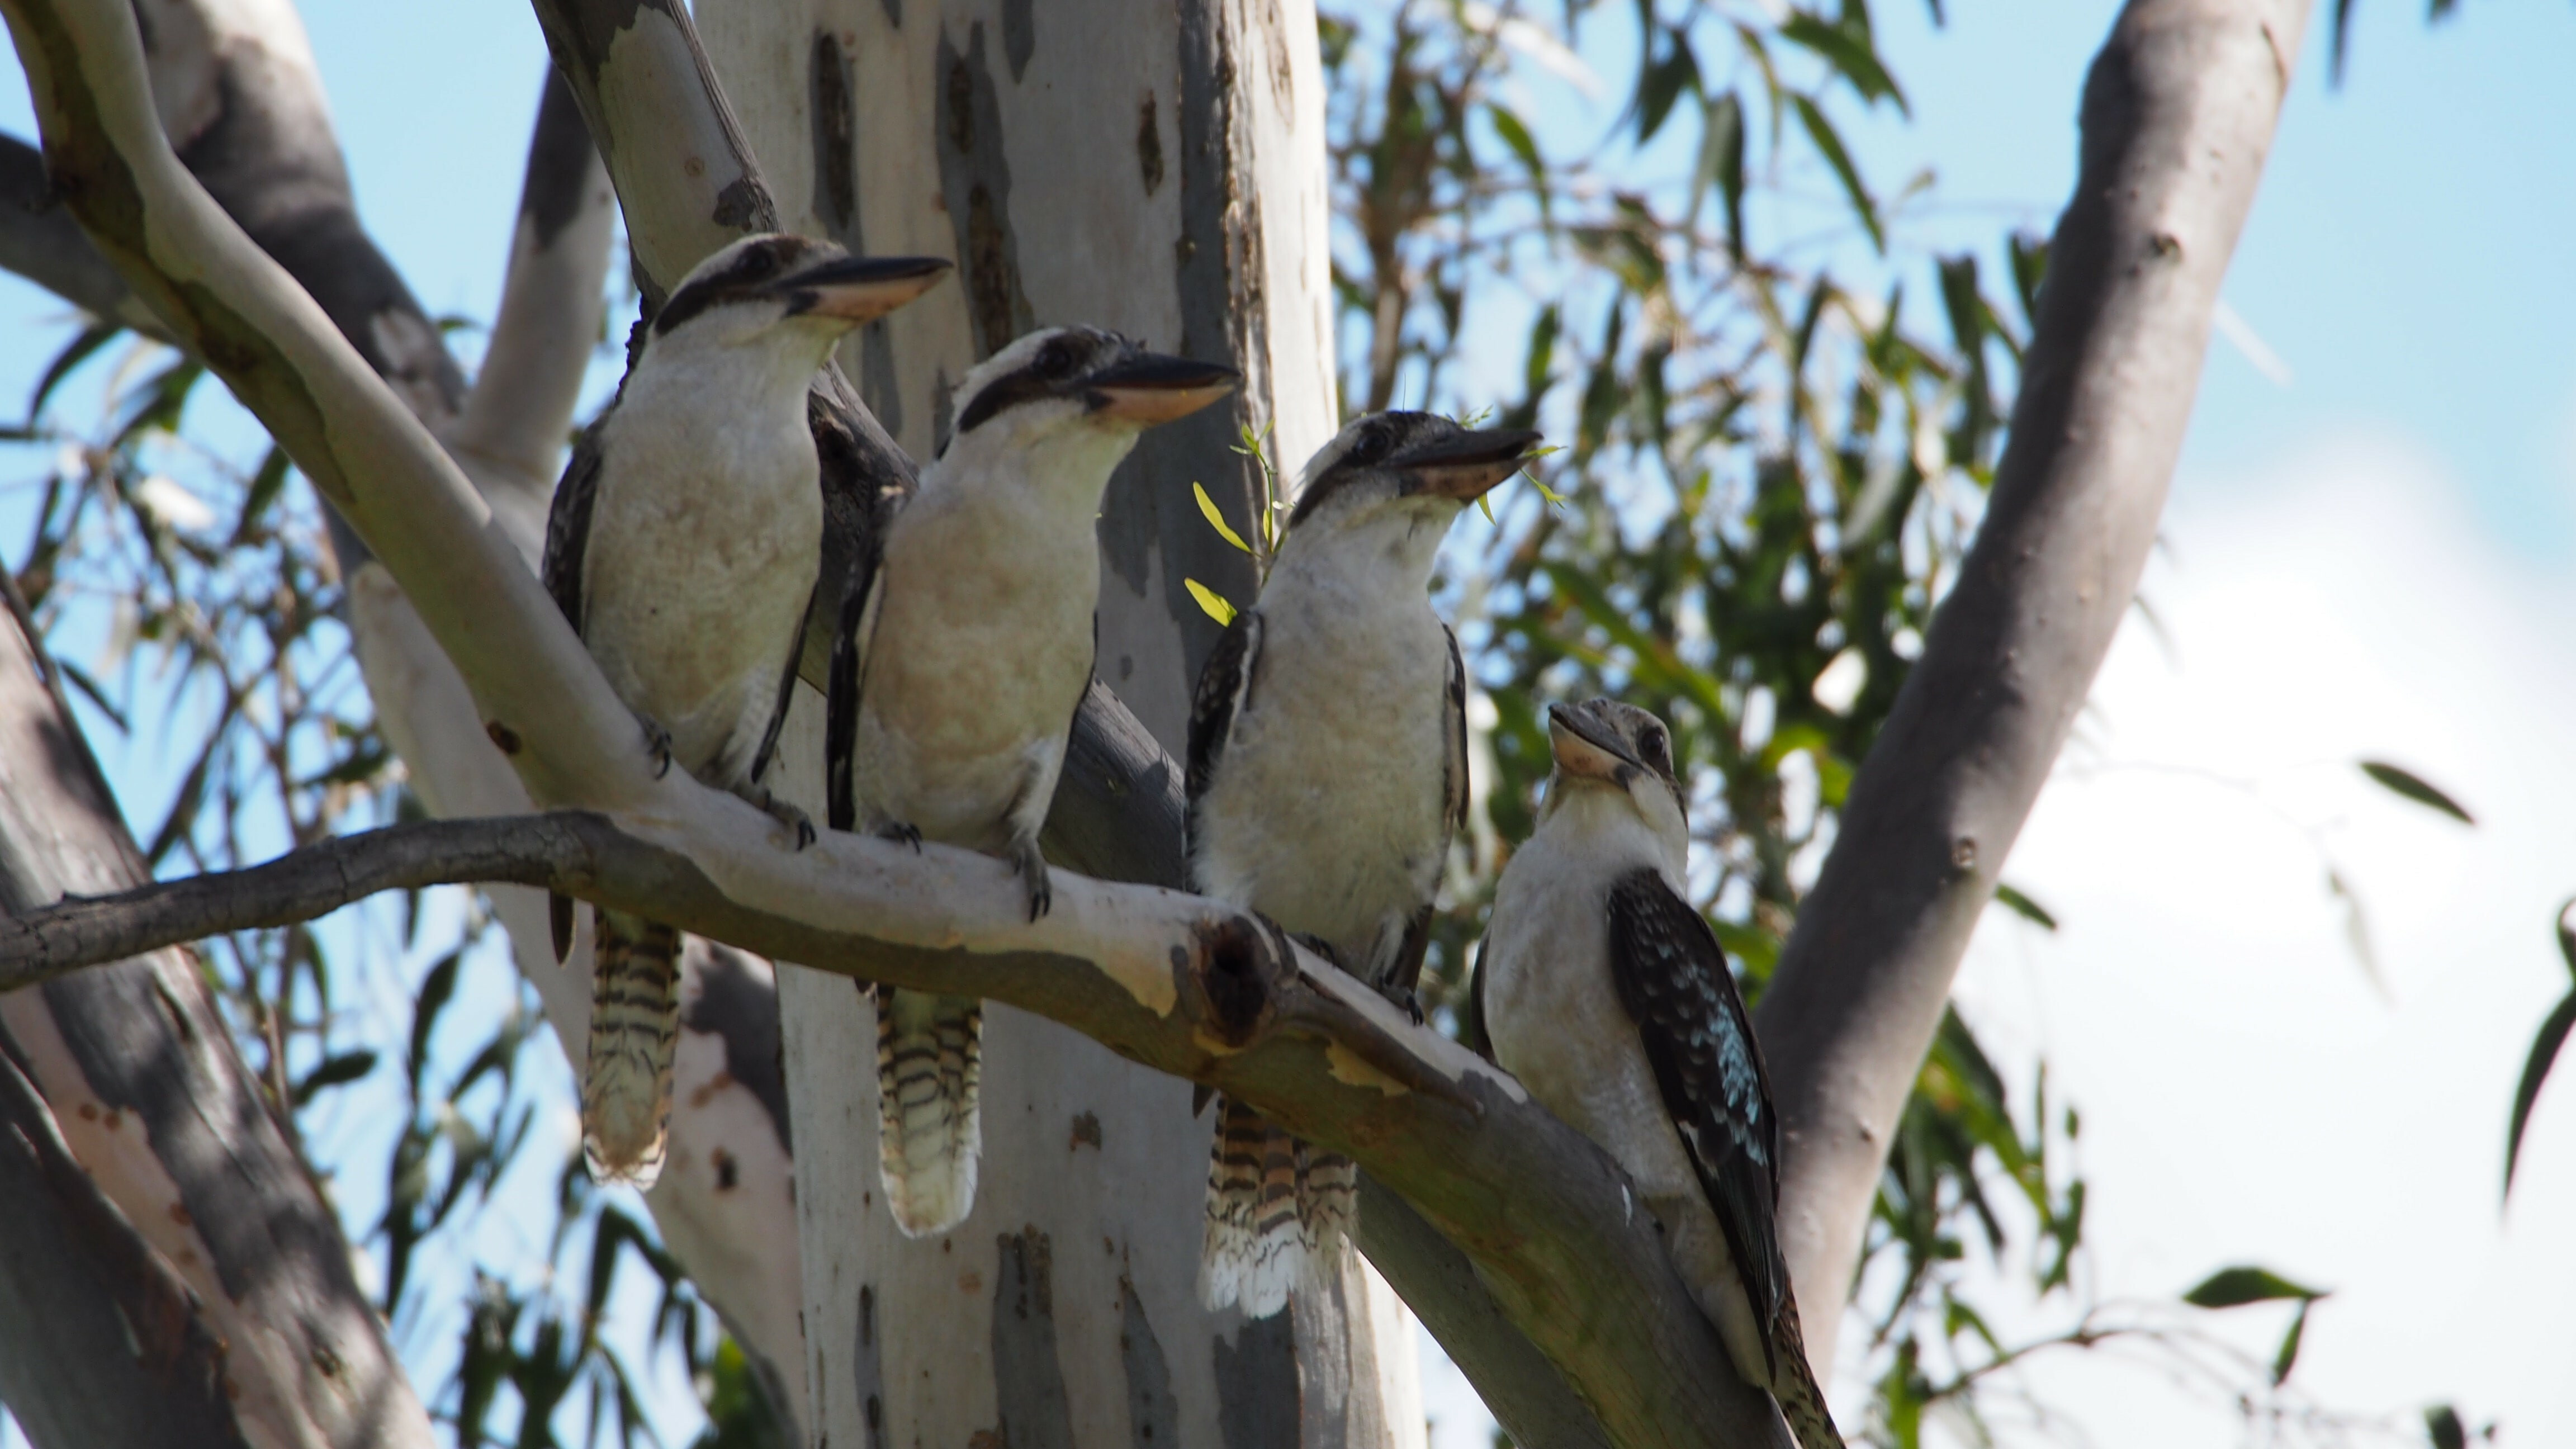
2545 1045
1779 422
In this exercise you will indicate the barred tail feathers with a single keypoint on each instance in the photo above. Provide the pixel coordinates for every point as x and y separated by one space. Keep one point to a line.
930 1137
1802 1401
1277 1211
634 1030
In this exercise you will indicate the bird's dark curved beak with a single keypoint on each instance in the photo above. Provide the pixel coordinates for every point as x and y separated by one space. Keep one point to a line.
860 289
1152 388
1584 745
1467 465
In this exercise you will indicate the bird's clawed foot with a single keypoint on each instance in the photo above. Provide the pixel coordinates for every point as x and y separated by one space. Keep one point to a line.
901 833
1320 947
799 824
657 744
1032 867
1408 999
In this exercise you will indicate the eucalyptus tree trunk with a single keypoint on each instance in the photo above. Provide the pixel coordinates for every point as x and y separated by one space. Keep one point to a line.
1157 168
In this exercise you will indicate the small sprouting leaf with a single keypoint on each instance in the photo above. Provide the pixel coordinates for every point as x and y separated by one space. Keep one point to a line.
2235 1287
1216 520
1830 144
2023 906
1212 601
2442 1422
2535 1072
2414 787
2288 1355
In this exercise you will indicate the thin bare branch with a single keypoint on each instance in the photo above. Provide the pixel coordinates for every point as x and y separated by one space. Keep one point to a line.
2178 117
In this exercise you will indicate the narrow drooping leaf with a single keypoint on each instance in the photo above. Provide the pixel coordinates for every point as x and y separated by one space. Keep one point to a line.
1849 53
2238 1286
2535 1072
2414 787
2287 1356
1829 144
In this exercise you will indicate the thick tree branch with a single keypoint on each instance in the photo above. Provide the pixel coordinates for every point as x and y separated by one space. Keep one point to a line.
2178 116
1178 983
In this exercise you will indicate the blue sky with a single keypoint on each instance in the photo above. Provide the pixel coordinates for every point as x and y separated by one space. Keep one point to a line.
2415 474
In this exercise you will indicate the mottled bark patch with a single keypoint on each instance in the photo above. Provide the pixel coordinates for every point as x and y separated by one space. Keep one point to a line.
975 184
1153 1412
1257 1397
1149 146
1215 258
734 1004
1086 1131
868 1378
1019 35
1028 1377
835 119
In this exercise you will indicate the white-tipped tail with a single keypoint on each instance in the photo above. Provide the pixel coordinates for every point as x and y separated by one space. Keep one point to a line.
1277 1211
634 1029
929 1136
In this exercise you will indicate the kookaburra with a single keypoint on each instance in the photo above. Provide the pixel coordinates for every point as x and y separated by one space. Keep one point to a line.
683 546
1327 775
956 678
1607 995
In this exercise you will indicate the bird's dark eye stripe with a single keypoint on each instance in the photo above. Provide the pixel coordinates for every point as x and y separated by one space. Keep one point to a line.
756 265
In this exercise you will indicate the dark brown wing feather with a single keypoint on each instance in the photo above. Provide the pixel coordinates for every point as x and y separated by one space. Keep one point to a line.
568 526
1673 980
1225 687
1404 973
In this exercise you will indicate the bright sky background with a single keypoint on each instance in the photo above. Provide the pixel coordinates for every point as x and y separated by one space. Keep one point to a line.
2367 554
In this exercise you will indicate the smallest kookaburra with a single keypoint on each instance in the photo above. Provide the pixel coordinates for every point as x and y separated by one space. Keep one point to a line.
1605 992
683 546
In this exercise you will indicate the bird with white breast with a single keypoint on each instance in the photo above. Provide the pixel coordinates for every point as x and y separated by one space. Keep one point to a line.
1327 776
1606 993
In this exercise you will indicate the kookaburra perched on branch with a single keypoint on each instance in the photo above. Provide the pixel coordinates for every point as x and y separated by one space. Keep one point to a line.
1327 776
1604 991
956 677
683 545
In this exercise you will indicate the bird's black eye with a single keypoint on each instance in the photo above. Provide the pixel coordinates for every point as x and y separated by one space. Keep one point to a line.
1370 446
1656 751
1055 359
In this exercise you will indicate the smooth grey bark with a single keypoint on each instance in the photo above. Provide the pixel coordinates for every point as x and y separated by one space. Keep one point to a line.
151 1169
2178 117
76 1280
